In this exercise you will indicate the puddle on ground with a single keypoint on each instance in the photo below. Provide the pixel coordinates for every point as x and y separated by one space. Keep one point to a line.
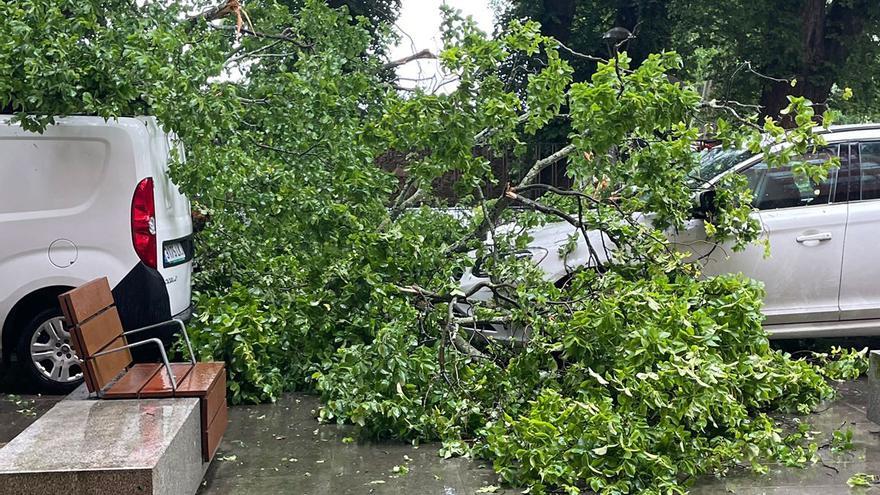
280 448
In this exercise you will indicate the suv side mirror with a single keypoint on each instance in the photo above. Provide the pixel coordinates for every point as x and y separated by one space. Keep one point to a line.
706 204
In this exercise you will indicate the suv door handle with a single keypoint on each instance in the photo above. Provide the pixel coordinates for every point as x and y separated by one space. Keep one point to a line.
822 236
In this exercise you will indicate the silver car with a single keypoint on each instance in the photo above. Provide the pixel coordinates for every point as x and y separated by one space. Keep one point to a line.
821 277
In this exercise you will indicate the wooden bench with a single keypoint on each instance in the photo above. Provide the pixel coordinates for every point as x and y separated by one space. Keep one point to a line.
100 342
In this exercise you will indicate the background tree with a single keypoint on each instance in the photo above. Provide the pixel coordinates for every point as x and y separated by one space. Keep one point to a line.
581 24
756 53
319 270
379 14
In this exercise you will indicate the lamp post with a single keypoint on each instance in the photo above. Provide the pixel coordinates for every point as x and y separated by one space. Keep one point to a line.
615 38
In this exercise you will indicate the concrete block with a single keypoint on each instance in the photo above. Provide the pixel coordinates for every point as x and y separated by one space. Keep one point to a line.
107 446
873 408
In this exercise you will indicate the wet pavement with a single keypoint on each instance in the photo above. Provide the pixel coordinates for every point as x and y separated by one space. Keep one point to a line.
19 409
280 449
830 475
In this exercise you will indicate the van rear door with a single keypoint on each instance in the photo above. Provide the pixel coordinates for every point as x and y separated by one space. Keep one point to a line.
173 220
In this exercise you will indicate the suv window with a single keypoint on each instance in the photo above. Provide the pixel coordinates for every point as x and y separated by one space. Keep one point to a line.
780 187
870 170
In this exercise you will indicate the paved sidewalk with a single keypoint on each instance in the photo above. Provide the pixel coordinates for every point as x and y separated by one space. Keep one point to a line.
280 449
17 410
828 477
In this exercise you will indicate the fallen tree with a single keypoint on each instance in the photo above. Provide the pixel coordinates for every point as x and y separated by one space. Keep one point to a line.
320 270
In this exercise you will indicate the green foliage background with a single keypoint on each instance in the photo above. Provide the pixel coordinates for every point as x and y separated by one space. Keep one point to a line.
746 51
317 270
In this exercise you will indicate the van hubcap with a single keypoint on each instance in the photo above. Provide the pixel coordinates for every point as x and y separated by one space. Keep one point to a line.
52 353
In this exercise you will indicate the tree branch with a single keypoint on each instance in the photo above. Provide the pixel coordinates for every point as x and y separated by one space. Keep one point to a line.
215 12
416 196
579 54
415 290
258 34
713 104
504 201
405 60
544 163
543 209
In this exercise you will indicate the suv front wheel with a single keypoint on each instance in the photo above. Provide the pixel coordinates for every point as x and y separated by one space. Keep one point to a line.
46 356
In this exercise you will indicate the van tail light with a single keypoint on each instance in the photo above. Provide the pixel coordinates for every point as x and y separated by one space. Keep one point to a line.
143 222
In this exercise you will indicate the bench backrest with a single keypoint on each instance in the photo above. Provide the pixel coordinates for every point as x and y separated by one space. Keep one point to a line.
90 315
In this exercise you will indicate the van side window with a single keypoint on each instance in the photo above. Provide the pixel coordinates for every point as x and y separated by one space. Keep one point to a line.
870 170
780 187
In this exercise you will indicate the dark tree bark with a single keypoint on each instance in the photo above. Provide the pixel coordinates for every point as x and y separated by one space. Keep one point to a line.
827 33
774 97
627 14
647 20
558 19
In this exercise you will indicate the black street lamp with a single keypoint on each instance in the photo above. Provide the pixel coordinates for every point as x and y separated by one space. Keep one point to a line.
615 38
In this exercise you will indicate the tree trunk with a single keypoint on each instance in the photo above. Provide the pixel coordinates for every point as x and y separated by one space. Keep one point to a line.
627 15
558 18
827 33
775 95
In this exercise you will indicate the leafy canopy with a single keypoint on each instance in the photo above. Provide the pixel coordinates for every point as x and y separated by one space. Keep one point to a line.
752 52
320 270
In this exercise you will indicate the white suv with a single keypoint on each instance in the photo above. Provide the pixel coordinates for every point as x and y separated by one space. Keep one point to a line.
87 198
821 278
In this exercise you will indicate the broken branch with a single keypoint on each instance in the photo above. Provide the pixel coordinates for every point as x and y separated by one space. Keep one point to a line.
405 60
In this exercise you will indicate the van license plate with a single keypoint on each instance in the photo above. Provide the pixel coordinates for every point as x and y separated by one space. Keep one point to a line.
174 253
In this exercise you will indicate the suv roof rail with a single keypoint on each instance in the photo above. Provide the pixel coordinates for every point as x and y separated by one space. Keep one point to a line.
847 127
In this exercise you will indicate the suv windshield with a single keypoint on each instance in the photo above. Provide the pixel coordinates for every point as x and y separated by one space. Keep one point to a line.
718 160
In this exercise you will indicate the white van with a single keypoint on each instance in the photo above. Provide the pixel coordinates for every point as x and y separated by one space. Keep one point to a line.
87 198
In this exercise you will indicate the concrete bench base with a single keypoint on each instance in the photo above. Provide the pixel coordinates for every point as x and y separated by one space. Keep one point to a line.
102 446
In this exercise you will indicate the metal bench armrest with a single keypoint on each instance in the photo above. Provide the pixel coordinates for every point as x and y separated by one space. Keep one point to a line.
175 321
144 342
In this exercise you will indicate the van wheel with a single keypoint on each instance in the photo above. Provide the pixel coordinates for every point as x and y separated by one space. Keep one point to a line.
45 355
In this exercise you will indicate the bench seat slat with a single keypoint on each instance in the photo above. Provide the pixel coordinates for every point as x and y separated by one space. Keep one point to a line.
95 334
199 382
106 368
159 386
86 300
133 381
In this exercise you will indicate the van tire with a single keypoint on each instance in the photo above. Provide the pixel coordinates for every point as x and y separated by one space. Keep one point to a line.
52 335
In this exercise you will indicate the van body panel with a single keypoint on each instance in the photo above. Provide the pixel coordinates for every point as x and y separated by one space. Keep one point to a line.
173 212
73 185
